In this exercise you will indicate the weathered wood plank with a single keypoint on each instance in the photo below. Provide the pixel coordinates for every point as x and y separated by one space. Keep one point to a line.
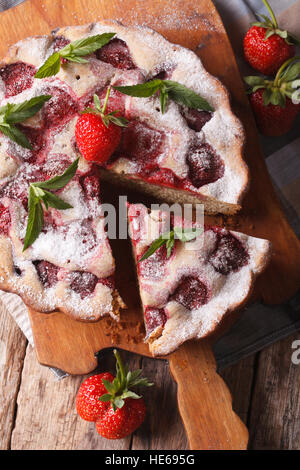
47 418
163 428
275 411
239 379
12 352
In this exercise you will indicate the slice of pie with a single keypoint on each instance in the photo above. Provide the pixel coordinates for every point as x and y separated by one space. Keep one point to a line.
70 266
183 155
187 291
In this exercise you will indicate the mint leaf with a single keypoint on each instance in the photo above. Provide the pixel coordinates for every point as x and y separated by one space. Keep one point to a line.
38 193
35 220
86 46
22 111
59 181
183 234
16 135
183 95
50 67
141 90
168 89
187 234
11 114
54 201
74 53
153 247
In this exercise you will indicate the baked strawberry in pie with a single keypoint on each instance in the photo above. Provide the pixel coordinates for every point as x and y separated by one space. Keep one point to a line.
189 281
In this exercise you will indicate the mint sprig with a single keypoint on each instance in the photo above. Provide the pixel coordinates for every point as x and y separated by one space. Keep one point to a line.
168 239
39 192
167 89
119 389
73 52
11 114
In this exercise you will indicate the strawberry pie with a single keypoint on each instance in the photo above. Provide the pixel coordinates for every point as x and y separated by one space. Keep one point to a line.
187 290
178 140
185 154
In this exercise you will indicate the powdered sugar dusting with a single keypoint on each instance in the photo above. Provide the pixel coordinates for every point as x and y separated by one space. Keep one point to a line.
198 285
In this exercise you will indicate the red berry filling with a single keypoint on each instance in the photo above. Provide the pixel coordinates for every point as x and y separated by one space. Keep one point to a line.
18 187
108 282
142 143
47 272
191 293
60 107
17 77
162 176
56 165
59 42
154 317
154 266
229 254
116 53
83 283
37 140
196 119
4 220
205 165
91 186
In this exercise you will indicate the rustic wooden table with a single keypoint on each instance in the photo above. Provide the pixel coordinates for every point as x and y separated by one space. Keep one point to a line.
38 412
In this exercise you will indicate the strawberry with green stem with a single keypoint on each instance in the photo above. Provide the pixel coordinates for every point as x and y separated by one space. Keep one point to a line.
276 102
98 133
266 46
110 402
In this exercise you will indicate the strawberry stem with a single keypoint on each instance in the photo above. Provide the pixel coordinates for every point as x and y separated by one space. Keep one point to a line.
119 389
106 100
121 367
276 82
273 17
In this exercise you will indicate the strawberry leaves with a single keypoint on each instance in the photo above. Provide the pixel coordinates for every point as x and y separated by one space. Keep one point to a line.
73 52
119 389
271 26
167 89
168 239
100 111
285 85
11 114
39 192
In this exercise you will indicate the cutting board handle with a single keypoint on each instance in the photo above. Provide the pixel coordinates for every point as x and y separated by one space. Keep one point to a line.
204 401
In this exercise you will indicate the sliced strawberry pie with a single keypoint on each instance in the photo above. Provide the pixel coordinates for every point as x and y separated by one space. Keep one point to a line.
186 289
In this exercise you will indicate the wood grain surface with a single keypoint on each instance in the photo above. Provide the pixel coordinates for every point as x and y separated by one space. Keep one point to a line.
197 26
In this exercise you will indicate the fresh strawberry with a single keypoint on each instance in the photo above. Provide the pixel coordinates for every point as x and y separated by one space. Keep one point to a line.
88 405
109 402
98 134
122 422
276 102
266 47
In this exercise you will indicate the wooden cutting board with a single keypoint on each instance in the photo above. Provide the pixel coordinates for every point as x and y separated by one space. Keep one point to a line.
203 398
